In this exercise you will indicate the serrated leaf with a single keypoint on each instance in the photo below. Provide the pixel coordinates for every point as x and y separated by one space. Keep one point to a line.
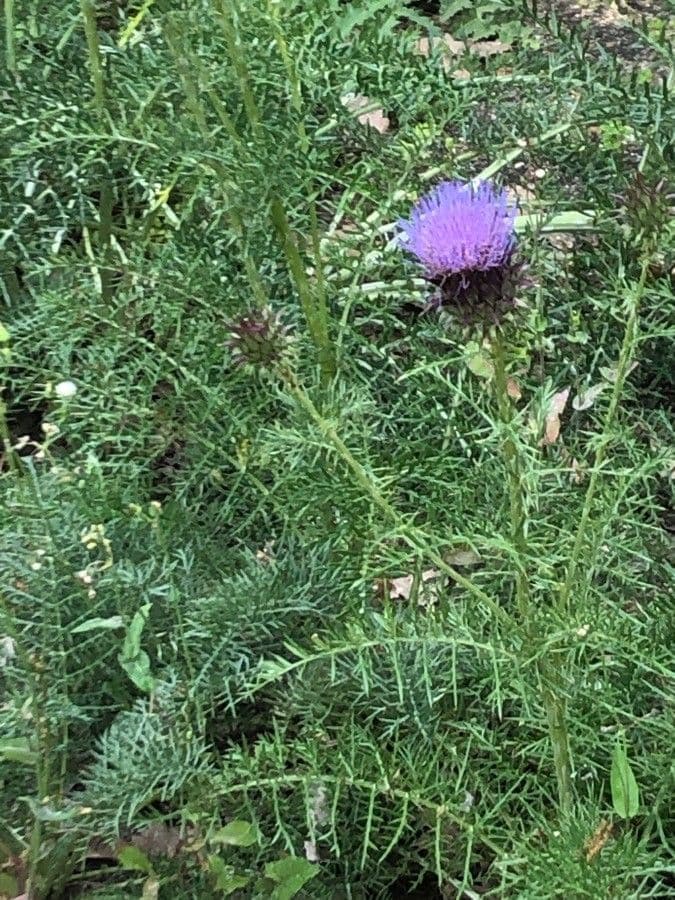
99 624
17 750
625 791
290 874
132 858
236 834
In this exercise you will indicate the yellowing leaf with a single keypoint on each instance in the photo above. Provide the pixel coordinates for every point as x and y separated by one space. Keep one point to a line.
481 366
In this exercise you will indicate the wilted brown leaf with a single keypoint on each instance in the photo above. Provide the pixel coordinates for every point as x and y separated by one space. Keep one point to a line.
366 111
401 587
555 410
265 556
598 839
453 48
578 474
488 48
513 389
463 558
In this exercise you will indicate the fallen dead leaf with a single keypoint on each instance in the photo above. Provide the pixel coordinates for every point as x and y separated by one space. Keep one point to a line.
513 389
311 852
555 410
400 588
450 47
578 474
265 556
365 110
561 240
488 48
463 558
598 839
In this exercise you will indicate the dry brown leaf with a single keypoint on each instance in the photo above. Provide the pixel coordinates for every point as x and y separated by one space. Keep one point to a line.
555 410
401 587
451 47
364 109
513 389
561 240
488 48
463 558
598 839
265 556
159 839
578 474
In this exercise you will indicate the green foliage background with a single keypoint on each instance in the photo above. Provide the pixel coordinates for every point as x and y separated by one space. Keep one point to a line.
404 741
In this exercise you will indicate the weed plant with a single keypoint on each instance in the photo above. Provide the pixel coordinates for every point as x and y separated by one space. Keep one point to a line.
392 613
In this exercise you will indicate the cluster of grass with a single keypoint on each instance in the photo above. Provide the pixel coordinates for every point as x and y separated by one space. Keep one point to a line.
361 624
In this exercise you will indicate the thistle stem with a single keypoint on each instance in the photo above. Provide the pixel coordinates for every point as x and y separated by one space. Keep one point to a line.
628 343
514 476
414 536
548 669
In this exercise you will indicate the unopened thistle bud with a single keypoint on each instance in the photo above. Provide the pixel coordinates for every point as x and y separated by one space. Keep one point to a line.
649 207
259 339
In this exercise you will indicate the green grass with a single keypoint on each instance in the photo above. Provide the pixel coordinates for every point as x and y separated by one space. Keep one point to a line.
196 625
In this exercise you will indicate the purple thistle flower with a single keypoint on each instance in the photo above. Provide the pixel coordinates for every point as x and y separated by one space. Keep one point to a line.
464 238
459 229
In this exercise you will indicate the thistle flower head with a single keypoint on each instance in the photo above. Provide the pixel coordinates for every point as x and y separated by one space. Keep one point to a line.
258 339
464 238
457 228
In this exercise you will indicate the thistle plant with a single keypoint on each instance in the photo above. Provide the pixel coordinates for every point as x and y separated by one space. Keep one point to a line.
464 238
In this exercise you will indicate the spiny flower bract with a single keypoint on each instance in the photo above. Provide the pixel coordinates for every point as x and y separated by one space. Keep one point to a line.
258 338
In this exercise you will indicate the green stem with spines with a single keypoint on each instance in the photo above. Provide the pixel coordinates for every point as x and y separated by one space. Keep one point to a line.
10 49
547 668
414 536
627 347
